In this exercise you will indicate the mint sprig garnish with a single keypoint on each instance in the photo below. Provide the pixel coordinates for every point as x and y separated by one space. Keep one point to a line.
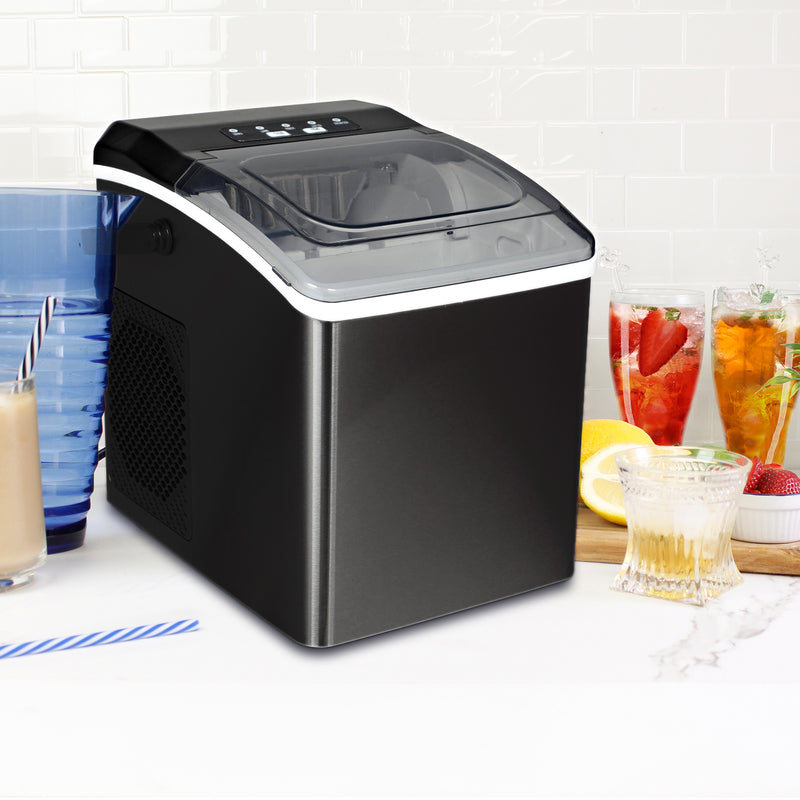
788 375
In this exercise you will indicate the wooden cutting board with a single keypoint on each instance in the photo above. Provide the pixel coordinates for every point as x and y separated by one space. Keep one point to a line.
598 540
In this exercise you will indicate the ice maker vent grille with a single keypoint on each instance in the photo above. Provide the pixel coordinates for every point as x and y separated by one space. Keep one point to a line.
146 410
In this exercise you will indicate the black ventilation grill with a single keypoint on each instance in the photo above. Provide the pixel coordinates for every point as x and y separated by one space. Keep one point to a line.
146 412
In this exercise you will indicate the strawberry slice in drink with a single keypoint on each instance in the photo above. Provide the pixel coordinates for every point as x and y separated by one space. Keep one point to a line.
662 335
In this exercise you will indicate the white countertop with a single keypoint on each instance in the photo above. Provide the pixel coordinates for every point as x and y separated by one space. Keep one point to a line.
573 690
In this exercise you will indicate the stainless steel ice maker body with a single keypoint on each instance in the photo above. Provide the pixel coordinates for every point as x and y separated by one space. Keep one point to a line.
352 408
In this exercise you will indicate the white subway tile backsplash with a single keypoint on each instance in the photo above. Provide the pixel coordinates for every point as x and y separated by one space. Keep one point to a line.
382 86
87 137
598 403
544 39
599 368
227 6
671 127
617 148
18 92
761 5
25 7
123 59
17 154
519 144
648 255
45 98
454 38
726 39
82 97
680 93
771 201
608 201
360 37
126 7
785 244
585 5
60 42
786 144
613 93
598 329
453 94
682 5
405 6
670 203
152 94
172 33
637 39
57 152
276 40
728 254
13 43
260 88
788 37
544 95
770 93
727 147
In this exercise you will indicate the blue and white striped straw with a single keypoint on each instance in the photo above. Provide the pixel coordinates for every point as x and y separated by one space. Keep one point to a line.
45 315
102 637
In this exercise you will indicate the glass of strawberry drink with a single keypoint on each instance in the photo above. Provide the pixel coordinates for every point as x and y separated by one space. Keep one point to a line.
655 338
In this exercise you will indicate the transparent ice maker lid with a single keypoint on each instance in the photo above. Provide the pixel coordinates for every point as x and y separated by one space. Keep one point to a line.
379 213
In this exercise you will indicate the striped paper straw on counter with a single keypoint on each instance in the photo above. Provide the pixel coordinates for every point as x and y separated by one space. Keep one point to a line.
45 315
102 637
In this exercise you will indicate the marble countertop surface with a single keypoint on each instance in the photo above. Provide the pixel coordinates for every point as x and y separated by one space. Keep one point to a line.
572 690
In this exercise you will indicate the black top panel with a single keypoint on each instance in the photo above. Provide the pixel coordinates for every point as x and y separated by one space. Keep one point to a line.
163 148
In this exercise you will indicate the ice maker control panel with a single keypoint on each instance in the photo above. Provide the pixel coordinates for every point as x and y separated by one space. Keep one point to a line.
287 129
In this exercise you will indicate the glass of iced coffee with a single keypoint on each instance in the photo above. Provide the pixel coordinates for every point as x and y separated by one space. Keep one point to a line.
23 545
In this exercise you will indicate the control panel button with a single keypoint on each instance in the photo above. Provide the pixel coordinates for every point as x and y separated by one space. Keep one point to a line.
286 129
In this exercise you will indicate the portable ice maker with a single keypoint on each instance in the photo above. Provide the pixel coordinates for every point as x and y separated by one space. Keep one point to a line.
347 363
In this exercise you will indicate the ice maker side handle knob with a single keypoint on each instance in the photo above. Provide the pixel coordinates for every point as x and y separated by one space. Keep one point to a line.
147 237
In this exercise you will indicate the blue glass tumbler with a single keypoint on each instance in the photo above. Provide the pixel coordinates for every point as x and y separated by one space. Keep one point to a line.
62 242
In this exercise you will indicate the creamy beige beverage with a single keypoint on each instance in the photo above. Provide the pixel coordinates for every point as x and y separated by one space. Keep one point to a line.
22 533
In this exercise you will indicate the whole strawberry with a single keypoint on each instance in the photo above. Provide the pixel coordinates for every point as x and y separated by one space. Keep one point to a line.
776 480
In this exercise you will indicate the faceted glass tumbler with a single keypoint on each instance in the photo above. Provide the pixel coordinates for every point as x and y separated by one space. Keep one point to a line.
680 504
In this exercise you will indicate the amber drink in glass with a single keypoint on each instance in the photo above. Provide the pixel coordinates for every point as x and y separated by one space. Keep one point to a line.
655 341
680 503
750 330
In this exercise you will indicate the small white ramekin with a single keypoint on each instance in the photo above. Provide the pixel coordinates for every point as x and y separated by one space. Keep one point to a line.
768 518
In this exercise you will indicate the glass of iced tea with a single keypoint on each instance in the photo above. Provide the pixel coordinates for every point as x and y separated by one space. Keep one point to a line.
655 338
750 328
681 504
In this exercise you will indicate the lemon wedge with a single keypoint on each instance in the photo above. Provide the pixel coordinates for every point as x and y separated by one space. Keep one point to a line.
599 433
600 487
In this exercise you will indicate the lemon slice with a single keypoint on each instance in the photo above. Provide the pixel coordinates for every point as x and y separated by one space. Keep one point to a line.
600 486
599 433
